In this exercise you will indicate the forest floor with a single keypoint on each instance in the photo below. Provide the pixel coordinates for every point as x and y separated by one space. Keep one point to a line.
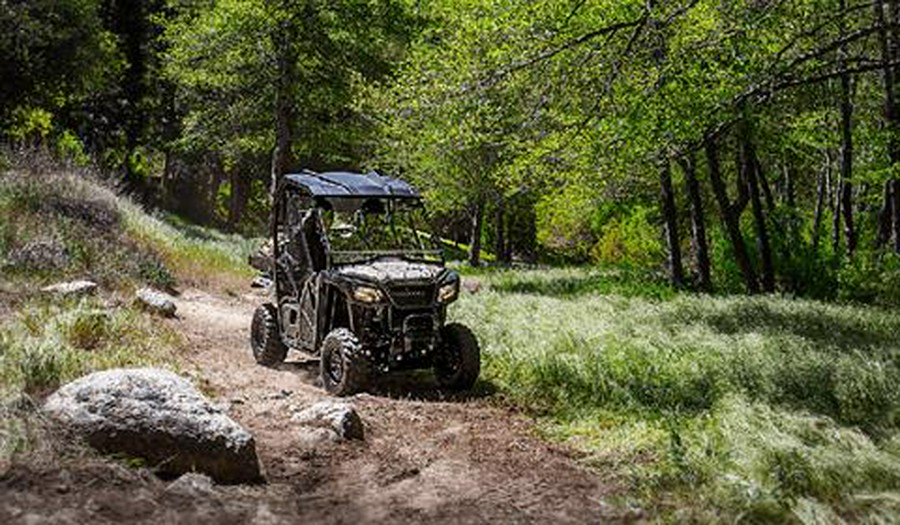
425 458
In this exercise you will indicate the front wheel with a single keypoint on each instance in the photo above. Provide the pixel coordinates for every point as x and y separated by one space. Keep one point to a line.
458 361
343 370
268 349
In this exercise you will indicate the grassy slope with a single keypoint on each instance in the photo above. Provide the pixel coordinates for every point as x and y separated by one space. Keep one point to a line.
763 408
45 341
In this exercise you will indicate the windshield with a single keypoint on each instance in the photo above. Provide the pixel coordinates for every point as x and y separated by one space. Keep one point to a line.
364 229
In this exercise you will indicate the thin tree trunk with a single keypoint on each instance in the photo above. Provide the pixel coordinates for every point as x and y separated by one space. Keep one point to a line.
789 194
895 212
670 225
748 167
764 183
836 217
238 202
281 154
698 226
500 241
475 236
729 218
888 52
846 144
820 204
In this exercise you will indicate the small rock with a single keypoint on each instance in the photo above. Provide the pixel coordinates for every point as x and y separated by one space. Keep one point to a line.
192 484
473 286
156 302
261 281
339 417
71 289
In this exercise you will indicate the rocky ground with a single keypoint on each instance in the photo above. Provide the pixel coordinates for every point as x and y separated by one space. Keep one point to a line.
424 457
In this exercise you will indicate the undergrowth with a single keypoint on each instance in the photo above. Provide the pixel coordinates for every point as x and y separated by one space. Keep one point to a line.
707 409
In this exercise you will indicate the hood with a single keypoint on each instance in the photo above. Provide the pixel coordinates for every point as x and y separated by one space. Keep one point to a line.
392 270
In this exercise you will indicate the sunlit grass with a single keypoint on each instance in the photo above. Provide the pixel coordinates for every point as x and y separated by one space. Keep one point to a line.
198 256
706 408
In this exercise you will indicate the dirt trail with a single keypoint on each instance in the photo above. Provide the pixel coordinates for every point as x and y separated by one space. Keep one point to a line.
425 458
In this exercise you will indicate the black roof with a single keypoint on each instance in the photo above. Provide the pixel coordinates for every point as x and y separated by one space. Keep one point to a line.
346 184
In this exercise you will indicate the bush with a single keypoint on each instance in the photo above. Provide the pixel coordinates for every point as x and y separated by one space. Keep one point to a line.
632 239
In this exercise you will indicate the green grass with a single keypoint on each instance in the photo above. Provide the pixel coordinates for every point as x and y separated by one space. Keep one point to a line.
705 408
48 343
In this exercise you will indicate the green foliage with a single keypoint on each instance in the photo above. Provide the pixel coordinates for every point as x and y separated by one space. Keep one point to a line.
30 125
871 278
632 239
711 408
69 148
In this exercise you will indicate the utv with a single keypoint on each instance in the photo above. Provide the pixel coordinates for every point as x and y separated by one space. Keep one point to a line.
358 282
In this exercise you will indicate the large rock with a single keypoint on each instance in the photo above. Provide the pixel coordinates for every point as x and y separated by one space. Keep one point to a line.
159 416
71 289
334 416
156 302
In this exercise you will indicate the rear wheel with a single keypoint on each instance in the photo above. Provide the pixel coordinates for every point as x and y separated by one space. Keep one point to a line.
268 349
343 370
458 361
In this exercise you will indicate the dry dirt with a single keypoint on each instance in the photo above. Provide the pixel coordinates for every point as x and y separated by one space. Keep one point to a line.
426 457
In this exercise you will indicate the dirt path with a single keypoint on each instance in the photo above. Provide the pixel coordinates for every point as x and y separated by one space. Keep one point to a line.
425 458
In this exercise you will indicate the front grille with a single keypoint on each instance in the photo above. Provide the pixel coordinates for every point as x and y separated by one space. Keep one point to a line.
411 295
419 324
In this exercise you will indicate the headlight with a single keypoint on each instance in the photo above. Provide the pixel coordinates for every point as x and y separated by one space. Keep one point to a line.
448 292
366 294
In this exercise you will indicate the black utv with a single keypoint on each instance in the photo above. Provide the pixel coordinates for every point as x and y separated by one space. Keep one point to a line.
358 281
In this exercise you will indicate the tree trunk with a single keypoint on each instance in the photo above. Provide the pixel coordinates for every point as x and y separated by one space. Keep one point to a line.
817 218
846 144
500 242
789 193
836 217
764 184
698 226
895 212
239 195
475 237
748 167
888 49
281 154
670 225
729 218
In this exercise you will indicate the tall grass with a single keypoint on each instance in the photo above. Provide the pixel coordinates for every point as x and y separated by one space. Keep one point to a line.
49 343
710 408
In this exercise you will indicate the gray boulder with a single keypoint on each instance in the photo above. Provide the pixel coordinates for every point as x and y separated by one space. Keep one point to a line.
335 416
156 302
71 289
160 417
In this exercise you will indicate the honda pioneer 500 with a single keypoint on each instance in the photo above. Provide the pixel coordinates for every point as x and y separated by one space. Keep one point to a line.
359 282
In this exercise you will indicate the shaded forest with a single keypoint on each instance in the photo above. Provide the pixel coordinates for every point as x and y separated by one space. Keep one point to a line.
738 147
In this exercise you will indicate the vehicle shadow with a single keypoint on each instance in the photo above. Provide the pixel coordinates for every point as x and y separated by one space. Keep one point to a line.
413 385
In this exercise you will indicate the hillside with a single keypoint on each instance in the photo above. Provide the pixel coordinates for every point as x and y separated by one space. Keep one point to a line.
604 395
